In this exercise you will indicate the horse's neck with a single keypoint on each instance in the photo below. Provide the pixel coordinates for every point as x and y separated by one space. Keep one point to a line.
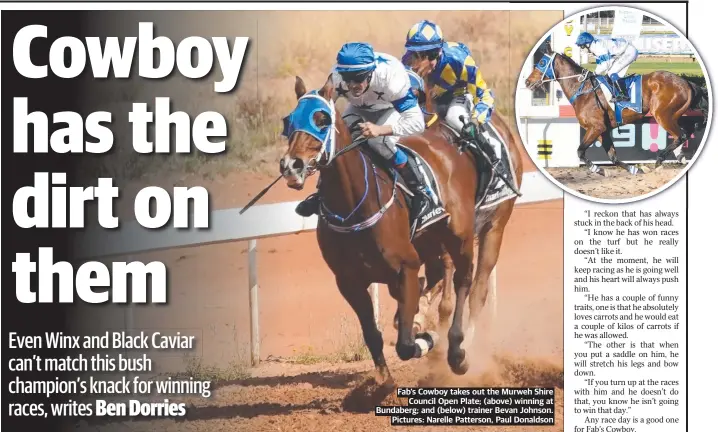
570 85
344 183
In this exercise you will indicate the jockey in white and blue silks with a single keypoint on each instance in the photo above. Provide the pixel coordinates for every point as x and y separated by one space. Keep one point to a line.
378 90
613 57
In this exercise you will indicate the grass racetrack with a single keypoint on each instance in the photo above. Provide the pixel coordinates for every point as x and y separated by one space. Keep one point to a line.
646 66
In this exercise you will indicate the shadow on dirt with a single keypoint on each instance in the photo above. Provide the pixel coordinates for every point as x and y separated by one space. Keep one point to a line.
367 395
322 406
248 411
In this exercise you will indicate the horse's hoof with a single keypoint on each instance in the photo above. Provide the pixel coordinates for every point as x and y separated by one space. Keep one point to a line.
642 169
633 170
658 168
387 383
461 369
382 376
458 363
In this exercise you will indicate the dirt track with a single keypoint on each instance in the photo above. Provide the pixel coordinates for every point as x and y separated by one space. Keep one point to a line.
618 184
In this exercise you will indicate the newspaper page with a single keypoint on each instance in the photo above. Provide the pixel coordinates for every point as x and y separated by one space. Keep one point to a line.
358 216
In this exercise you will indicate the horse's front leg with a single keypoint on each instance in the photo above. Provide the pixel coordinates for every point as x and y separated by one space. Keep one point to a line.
588 139
357 295
408 345
463 258
434 287
610 149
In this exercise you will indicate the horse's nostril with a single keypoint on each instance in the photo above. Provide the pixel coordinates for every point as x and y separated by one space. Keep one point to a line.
298 164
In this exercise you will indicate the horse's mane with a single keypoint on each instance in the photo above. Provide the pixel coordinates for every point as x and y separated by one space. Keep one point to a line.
570 61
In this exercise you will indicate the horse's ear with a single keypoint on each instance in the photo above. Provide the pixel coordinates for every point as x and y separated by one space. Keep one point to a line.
299 88
327 91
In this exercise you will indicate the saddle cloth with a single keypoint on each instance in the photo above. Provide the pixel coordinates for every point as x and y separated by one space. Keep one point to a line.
492 188
634 89
435 210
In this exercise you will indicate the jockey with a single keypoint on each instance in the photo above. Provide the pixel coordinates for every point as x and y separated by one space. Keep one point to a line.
613 57
458 88
378 90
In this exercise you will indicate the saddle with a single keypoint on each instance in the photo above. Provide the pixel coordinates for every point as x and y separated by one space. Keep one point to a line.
630 83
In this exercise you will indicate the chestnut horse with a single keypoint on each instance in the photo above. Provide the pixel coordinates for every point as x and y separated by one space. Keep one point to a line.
490 225
666 95
373 244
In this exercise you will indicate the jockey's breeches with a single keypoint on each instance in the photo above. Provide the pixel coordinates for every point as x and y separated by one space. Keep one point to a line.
452 112
620 64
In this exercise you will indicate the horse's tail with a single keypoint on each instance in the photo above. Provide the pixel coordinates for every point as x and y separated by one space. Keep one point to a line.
699 100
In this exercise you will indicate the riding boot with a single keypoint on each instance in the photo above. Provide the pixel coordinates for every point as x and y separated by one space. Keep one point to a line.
308 207
620 94
410 173
488 149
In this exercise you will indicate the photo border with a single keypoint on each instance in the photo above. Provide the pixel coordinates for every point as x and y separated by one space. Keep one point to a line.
668 184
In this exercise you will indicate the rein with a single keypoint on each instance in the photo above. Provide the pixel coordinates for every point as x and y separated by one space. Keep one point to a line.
549 69
548 75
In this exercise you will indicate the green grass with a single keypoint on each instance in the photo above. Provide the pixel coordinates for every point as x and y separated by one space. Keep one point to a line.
644 67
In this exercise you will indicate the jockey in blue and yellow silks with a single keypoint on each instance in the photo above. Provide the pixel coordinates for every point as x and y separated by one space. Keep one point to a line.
456 84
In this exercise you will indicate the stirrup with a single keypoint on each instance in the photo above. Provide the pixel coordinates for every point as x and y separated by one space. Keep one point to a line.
308 207
419 204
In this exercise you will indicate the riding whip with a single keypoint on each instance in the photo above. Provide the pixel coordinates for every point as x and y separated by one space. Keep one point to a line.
499 174
260 195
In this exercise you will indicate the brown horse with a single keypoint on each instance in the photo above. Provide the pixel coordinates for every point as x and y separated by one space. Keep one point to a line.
490 224
664 94
373 244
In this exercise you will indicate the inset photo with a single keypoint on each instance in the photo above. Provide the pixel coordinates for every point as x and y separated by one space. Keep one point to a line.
613 104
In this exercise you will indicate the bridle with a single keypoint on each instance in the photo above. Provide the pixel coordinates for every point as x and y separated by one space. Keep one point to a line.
545 66
326 137
327 155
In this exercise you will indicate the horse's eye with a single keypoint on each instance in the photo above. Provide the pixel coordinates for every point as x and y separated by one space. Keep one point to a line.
322 120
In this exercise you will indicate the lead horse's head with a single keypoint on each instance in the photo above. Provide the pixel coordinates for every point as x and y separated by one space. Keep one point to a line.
543 71
310 130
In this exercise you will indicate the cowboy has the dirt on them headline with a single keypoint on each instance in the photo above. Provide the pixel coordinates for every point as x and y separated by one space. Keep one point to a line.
50 203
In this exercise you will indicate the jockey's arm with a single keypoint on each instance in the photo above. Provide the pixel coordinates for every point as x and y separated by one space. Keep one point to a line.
482 95
601 68
603 56
411 120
